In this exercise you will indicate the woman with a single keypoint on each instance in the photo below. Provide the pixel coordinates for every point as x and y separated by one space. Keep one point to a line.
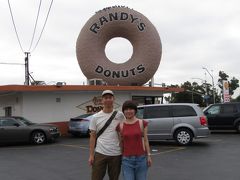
136 156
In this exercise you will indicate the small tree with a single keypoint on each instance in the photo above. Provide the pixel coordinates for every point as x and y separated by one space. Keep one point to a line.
193 94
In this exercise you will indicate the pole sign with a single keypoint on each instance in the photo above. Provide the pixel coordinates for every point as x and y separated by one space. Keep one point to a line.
226 96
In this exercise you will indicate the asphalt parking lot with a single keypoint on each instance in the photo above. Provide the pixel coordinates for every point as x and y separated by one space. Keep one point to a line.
213 158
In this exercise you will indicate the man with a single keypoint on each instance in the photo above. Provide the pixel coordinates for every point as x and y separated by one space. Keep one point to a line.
107 153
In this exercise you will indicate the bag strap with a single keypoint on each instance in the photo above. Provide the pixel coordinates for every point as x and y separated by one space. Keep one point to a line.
141 126
121 127
106 124
142 130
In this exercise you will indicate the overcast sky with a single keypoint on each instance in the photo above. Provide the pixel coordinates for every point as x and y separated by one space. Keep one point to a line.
194 34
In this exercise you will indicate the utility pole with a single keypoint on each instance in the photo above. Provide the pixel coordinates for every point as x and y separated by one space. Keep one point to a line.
26 68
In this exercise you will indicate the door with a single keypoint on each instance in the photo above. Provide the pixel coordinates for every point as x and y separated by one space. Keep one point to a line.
227 116
8 111
160 122
212 115
11 131
185 114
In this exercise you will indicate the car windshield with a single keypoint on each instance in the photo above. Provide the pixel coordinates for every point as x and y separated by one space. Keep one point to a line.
24 121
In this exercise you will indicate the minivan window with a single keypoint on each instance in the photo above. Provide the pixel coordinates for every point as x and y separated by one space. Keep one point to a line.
180 111
140 113
156 112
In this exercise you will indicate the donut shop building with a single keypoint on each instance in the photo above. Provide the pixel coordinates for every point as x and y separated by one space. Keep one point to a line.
57 104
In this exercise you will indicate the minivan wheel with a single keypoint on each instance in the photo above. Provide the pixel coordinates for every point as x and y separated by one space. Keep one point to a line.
38 137
183 136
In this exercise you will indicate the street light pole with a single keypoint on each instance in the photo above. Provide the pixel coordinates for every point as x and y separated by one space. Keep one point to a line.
212 83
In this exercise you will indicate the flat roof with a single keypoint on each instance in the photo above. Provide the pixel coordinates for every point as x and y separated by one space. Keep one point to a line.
50 88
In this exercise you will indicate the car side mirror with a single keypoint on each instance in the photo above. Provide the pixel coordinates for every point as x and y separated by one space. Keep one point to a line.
206 113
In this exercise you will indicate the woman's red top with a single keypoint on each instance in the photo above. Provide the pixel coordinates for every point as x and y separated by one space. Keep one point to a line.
132 138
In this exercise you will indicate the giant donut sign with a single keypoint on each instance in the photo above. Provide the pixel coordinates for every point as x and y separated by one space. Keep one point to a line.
119 21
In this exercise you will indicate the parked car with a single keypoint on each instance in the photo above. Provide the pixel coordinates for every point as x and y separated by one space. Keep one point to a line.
179 121
19 129
79 125
223 116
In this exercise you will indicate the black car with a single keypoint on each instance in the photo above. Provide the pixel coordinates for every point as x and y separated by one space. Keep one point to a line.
19 129
223 116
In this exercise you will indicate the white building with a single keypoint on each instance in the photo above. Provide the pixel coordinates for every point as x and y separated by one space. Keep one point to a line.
57 104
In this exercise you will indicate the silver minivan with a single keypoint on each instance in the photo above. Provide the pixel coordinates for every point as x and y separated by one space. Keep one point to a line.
179 121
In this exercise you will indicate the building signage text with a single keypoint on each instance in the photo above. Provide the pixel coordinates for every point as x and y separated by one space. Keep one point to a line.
121 73
122 16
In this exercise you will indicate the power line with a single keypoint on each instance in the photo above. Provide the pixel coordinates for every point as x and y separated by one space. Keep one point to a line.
27 54
15 26
43 26
35 26
11 63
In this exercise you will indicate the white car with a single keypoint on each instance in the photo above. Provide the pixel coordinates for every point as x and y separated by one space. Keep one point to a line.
80 125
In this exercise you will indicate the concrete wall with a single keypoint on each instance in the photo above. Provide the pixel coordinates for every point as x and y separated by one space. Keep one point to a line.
59 107
13 100
56 106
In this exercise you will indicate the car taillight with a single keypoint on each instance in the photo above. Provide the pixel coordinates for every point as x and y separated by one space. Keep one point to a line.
203 120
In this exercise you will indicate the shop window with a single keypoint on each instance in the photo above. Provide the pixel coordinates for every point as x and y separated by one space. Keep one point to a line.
58 100
8 111
142 100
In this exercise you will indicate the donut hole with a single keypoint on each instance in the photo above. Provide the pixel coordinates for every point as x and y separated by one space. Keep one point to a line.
119 50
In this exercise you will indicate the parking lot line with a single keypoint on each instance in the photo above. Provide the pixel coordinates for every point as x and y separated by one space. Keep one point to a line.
154 154
74 146
26 147
211 140
169 151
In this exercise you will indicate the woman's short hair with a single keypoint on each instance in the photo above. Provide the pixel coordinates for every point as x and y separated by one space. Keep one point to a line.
129 104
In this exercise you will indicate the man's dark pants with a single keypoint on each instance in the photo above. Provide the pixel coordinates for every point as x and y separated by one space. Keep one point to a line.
102 163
